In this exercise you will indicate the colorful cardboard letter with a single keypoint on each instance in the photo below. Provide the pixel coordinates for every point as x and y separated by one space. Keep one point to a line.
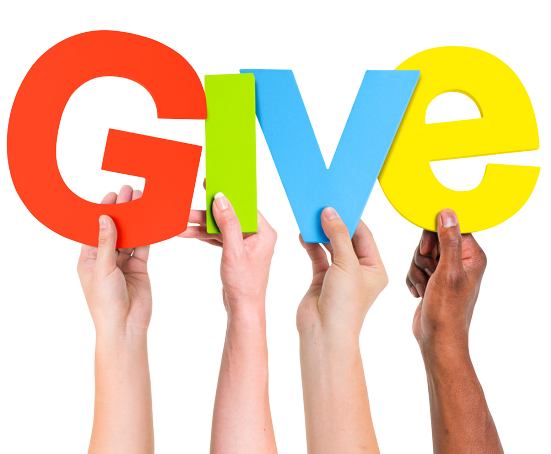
170 168
507 125
230 146
364 144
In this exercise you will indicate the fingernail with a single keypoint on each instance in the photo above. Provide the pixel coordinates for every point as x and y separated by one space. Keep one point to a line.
449 218
413 291
102 222
420 290
221 201
429 271
330 213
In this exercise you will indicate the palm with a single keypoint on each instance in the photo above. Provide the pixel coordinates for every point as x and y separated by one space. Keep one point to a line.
308 309
135 284
125 285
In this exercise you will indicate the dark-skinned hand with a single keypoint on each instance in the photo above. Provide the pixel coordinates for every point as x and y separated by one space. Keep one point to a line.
446 272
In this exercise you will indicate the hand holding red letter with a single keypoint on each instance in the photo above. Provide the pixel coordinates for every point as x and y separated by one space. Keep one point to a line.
115 281
118 292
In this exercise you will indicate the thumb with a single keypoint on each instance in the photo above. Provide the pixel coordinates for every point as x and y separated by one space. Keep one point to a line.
107 245
451 242
228 223
337 232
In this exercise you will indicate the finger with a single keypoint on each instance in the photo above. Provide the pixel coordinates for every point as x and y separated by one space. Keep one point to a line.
228 223
365 247
124 254
329 249
205 184
337 232
200 233
424 262
125 194
142 253
88 255
427 245
449 236
109 199
419 279
213 242
198 217
317 255
107 252
412 288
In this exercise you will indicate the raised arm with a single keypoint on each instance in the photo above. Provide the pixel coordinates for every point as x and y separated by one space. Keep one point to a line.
446 272
329 320
117 290
242 421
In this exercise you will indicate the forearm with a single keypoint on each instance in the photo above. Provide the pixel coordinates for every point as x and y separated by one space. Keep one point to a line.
123 417
461 419
242 421
336 403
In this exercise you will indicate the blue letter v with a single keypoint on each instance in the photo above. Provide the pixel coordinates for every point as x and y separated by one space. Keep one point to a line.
310 186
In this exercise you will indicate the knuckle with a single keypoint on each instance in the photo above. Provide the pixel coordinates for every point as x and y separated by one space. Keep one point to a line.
384 279
341 229
230 221
341 263
89 254
455 279
452 242
317 261
482 259
416 276
103 240
274 235
420 260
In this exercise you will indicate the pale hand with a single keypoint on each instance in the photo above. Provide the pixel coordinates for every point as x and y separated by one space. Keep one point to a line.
115 281
341 293
246 258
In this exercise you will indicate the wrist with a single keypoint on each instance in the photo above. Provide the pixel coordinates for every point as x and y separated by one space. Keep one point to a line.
121 338
441 355
329 338
246 341
246 310
332 330
250 318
